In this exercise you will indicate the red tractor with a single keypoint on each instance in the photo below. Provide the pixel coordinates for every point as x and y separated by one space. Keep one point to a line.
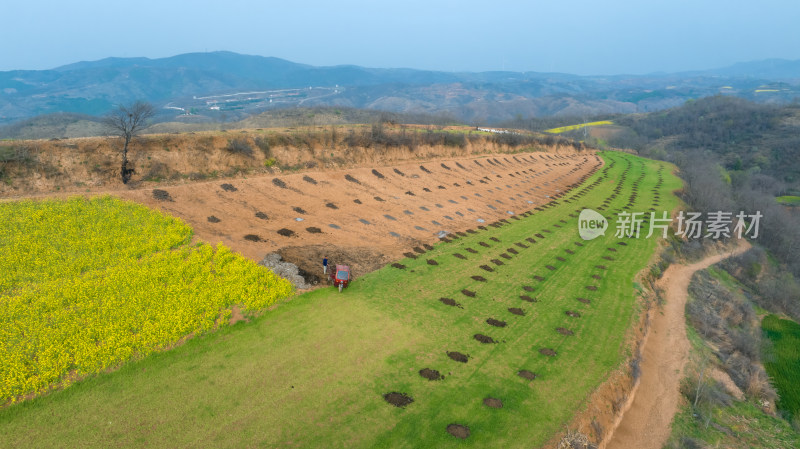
340 276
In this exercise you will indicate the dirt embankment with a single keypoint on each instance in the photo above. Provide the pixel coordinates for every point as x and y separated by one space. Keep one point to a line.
366 217
359 196
646 418
93 163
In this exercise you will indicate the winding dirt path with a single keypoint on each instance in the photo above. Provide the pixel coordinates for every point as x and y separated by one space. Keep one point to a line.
647 418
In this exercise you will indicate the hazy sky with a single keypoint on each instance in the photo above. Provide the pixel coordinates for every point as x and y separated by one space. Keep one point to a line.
587 37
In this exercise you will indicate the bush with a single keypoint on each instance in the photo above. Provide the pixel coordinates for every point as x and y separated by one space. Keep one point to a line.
241 146
263 144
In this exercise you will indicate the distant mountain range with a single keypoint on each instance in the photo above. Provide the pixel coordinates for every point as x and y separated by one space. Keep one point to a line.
224 86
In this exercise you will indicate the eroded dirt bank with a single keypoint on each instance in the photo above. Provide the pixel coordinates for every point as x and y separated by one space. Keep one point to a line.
366 217
647 417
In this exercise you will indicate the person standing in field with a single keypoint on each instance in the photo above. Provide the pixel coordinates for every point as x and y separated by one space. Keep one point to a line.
325 265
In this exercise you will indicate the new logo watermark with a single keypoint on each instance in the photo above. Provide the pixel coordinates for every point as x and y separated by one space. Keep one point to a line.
591 224
719 224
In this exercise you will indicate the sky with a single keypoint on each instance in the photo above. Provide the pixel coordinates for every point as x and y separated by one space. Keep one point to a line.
597 37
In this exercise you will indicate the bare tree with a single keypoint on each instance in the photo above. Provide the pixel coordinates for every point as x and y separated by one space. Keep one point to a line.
127 121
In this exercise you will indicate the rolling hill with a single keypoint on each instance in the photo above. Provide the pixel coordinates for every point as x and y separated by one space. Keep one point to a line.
222 86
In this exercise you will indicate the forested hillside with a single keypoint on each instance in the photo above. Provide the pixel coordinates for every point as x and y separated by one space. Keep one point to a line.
750 137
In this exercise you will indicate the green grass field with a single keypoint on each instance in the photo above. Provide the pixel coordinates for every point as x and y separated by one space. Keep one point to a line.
742 425
782 362
313 372
789 200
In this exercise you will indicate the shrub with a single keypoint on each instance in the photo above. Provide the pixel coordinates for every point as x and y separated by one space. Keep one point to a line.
263 144
241 146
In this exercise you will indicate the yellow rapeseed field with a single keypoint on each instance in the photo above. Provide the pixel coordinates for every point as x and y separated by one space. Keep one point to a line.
562 129
87 284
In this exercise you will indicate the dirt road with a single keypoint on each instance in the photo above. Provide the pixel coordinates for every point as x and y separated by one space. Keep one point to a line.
646 422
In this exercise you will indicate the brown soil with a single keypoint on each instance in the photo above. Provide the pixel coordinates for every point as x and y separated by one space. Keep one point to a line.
526 374
573 313
547 351
276 192
487 268
399 266
469 293
495 323
236 316
432 262
262 215
483 338
459 256
539 278
479 278
517 311
497 262
228 187
458 431
450 302
493 403
470 250
213 219
585 301
597 276
419 250
591 288
252 238
398 399
494 239
458 357
430 374
550 267
527 298
528 288
314 230
564 331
